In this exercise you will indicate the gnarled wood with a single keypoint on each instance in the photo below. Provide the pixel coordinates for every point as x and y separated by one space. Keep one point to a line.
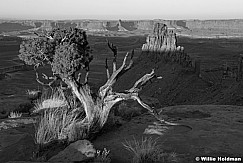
84 96
114 50
44 76
106 97
107 70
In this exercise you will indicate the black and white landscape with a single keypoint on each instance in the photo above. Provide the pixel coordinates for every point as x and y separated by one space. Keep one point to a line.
134 81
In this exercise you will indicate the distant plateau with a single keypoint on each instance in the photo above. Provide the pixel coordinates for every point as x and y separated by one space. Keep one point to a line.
189 28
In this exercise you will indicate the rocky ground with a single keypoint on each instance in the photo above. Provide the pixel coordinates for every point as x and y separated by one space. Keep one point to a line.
204 130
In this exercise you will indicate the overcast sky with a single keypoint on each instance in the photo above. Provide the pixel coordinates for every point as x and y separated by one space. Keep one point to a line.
121 9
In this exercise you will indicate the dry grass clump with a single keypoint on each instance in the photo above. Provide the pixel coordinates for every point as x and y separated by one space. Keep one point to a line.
63 124
67 124
144 152
15 115
148 151
55 100
54 124
82 129
63 118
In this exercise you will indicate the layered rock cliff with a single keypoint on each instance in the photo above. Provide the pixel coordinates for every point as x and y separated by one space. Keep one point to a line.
191 28
91 25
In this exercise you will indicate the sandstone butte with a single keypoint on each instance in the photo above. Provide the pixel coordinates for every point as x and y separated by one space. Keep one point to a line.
162 40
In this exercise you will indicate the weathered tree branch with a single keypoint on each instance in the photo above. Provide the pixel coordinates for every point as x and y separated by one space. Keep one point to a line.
44 76
110 98
116 72
110 82
113 97
114 50
107 70
152 111
79 77
131 61
45 84
63 39
86 78
142 81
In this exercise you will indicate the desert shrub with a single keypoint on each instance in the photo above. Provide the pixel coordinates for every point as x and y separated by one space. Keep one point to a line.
144 152
15 115
148 151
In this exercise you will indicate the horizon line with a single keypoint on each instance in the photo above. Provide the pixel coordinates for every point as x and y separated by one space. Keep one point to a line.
97 19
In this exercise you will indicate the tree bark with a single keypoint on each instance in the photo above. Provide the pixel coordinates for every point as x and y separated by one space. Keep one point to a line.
84 96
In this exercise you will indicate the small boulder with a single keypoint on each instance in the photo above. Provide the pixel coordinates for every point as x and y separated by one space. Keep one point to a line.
80 150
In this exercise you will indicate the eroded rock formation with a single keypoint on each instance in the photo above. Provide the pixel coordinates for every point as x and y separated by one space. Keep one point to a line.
162 44
162 40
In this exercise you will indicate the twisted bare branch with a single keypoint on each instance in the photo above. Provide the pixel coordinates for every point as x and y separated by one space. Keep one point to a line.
142 81
131 61
86 77
54 79
79 77
112 79
107 70
132 93
114 50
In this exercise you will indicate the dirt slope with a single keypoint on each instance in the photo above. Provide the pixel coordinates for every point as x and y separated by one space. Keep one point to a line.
209 130
180 86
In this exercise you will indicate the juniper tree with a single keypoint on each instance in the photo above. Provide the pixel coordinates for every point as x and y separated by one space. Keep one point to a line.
67 52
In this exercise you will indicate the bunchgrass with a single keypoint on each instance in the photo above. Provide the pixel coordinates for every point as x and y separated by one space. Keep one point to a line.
55 100
83 129
54 124
62 118
146 151
58 119
15 115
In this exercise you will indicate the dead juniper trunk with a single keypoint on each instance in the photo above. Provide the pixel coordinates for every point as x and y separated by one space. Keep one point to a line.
107 97
67 52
